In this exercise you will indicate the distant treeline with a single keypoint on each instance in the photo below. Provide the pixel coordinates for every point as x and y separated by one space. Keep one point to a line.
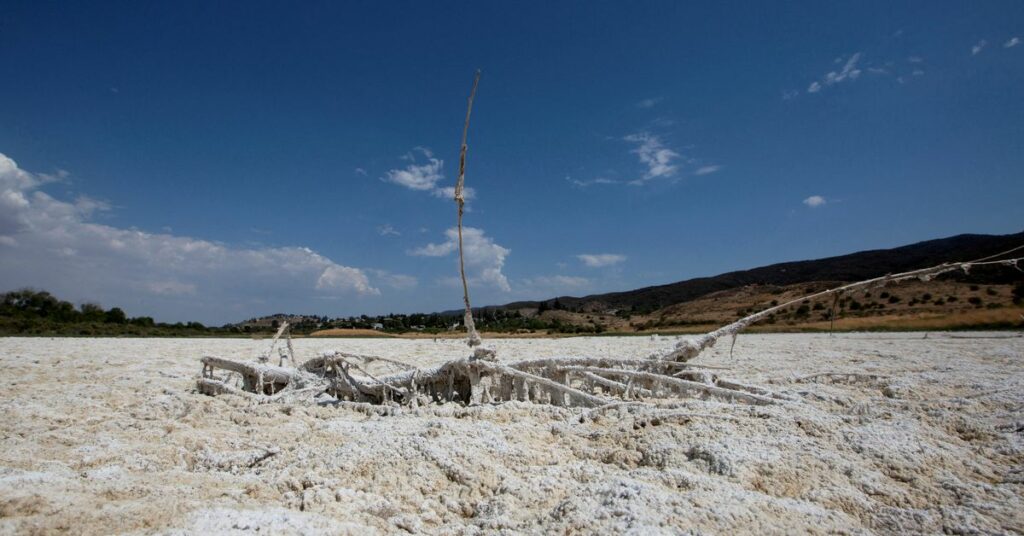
492 319
37 312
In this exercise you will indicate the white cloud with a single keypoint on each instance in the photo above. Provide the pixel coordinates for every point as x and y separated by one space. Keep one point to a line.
583 184
344 278
52 244
848 72
915 59
424 177
815 201
1014 41
484 258
360 171
88 205
648 103
978 47
387 230
707 170
653 154
448 192
790 94
417 177
600 260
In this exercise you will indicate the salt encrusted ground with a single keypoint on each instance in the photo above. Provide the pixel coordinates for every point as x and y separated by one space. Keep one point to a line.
108 435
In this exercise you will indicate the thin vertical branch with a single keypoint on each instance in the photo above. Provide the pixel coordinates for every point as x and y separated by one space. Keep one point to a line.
460 200
832 315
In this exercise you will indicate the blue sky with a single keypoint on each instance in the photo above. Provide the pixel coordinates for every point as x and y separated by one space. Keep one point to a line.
220 161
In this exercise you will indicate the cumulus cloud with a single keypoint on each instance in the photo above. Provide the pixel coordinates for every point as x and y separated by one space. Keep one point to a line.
425 176
417 176
815 201
49 243
484 258
978 47
660 160
600 260
848 72
1014 41
707 170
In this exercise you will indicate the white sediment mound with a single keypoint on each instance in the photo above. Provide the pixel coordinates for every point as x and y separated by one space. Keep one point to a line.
884 434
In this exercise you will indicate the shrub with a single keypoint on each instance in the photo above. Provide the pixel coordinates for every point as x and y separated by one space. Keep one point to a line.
975 301
894 299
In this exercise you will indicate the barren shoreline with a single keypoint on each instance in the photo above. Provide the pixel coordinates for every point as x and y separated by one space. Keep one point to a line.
923 435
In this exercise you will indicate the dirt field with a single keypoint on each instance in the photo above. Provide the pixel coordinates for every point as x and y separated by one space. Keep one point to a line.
109 435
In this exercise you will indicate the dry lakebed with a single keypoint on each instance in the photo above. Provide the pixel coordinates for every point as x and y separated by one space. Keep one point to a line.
882 434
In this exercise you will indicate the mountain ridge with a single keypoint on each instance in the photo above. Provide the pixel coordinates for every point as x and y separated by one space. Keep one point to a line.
849 267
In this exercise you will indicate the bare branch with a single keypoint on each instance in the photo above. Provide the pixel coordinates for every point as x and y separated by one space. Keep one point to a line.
460 200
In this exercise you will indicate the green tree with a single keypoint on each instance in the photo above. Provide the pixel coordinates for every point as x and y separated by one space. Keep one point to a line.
92 312
115 316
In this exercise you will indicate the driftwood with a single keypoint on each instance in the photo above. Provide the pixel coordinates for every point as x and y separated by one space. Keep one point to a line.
468 381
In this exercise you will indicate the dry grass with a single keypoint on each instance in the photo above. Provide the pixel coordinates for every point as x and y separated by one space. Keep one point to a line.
1007 317
962 319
